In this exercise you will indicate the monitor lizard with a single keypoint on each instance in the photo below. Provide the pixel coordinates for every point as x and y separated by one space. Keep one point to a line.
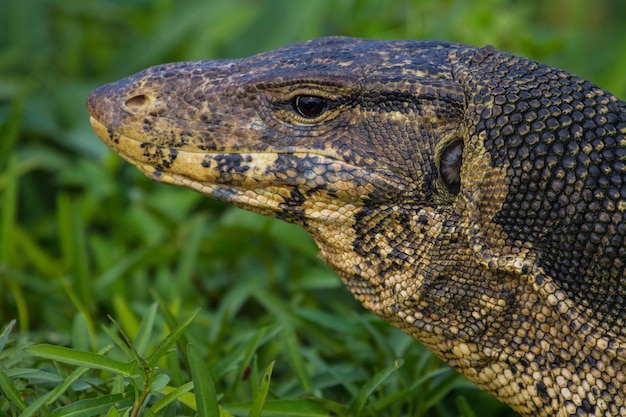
472 198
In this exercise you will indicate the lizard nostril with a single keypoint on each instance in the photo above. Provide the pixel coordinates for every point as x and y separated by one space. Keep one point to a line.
137 101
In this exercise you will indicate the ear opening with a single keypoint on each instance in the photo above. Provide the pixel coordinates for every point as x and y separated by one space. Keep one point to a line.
450 163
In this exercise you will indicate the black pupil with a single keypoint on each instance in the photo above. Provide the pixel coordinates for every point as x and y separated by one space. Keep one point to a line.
310 106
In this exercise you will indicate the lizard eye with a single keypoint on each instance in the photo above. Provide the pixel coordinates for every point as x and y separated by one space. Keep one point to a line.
309 107
450 166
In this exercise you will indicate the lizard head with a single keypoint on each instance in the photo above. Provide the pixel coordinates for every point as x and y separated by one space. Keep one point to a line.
361 142
475 199
288 132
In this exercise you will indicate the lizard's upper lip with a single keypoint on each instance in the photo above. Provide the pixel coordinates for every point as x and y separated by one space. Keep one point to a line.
227 175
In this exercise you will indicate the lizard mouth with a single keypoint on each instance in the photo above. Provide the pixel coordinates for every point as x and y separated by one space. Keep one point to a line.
288 180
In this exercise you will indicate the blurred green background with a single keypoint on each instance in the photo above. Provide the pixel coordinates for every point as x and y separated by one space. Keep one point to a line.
83 235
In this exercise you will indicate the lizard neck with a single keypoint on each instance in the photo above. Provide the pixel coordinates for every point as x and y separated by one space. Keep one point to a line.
504 335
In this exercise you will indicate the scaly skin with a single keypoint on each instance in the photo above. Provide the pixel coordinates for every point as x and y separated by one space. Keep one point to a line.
474 199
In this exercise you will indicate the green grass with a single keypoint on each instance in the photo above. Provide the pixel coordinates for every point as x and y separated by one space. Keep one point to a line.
119 296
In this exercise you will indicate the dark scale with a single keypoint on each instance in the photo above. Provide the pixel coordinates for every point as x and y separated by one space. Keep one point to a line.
542 192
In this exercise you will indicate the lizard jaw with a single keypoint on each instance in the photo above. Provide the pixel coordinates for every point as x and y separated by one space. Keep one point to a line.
272 183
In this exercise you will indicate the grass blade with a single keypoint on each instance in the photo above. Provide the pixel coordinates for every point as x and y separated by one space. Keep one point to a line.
11 392
51 396
357 404
124 314
7 245
71 378
73 243
295 357
81 358
4 336
204 388
145 329
261 395
181 394
242 355
169 341
170 321
283 408
464 407
94 406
